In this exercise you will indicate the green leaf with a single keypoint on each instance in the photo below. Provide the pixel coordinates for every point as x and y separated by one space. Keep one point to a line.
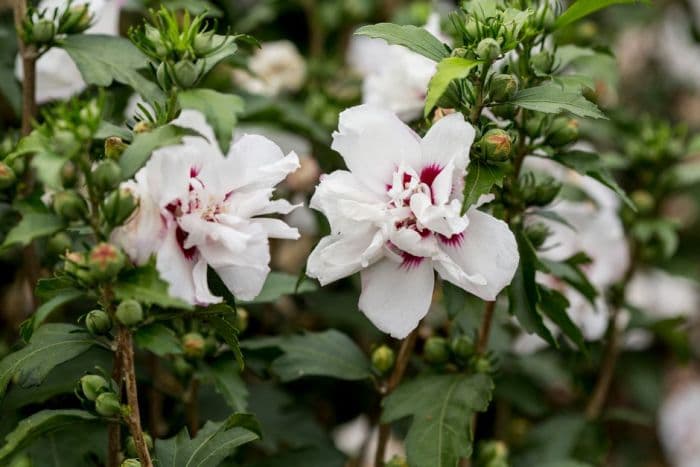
228 382
414 38
569 271
442 407
455 298
51 345
287 115
226 46
551 98
144 285
225 327
213 443
554 305
582 8
103 59
480 179
39 424
48 307
523 293
279 284
139 151
157 338
33 225
220 110
329 353
448 70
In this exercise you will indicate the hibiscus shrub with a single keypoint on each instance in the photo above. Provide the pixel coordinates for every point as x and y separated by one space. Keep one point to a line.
171 299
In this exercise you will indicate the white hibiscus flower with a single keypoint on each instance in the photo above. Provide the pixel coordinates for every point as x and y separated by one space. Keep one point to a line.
57 76
394 77
679 423
198 207
395 216
275 68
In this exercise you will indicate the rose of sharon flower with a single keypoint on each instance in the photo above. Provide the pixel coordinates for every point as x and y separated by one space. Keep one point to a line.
679 423
57 76
275 68
395 216
199 208
394 77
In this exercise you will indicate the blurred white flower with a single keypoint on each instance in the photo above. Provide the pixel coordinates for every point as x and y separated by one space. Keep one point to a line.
394 77
277 67
677 49
358 440
57 76
679 424
198 207
395 216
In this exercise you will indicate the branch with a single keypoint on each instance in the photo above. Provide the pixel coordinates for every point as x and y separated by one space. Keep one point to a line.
485 329
610 354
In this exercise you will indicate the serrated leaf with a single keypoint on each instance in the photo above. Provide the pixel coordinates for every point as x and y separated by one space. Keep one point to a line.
551 98
582 8
40 424
33 225
144 285
279 284
228 382
442 407
103 59
139 151
220 110
414 38
329 353
51 345
157 338
214 443
554 305
448 70
480 179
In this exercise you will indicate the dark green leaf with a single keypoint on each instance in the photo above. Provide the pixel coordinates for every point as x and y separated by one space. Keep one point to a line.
226 46
287 115
454 297
60 299
228 382
225 327
50 345
554 305
220 110
329 353
569 272
279 284
33 225
551 98
583 8
157 338
144 285
480 179
448 70
139 151
442 407
414 38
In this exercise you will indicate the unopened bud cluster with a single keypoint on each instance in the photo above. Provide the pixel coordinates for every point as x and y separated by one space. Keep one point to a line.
42 26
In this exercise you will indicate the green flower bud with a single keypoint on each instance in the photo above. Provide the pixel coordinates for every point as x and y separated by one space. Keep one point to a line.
537 234
118 206
76 265
43 31
182 367
242 317
505 111
644 201
114 147
98 322
535 125
18 165
203 43
107 404
493 454
496 145
162 76
488 49
562 131
211 345
436 350
397 461
7 176
481 364
64 142
105 261
129 313
193 345
58 244
383 358
471 28
155 40
106 175
542 62
75 20
131 445
187 73
459 52
462 347
69 175
503 87
93 385
69 205
542 192
131 463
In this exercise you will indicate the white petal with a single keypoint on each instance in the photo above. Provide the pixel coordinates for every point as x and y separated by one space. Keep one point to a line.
488 249
396 298
254 161
195 120
245 282
443 219
276 228
373 143
201 287
176 270
338 256
449 140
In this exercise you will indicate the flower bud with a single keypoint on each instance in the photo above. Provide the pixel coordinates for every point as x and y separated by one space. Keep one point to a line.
496 145
503 87
643 200
481 364
105 261
488 49
459 52
242 319
505 111
58 244
7 176
69 205
193 345
542 62
142 127
129 313
98 322
75 20
383 358
562 131
131 445
537 234
93 385
106 175
114 147
462 347
544 192
43 31
211 345
131 463
182 367
118 206
186 73
153 36
493 454
203 43
436 350
76 265
162 76
535 125
64 142
397 461
107 404
18 165
69 174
